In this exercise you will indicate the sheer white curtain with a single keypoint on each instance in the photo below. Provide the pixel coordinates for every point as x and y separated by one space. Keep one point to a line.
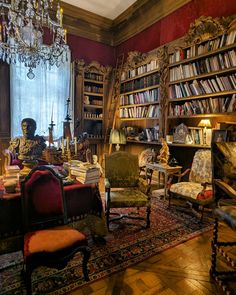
41 98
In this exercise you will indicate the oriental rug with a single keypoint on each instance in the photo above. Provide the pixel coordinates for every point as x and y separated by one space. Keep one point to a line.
126 245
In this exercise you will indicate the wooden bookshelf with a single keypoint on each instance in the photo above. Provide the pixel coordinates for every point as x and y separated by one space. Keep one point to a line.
202 79
142 94
91 89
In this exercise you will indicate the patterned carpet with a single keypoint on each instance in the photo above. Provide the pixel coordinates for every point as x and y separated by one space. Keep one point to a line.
127 244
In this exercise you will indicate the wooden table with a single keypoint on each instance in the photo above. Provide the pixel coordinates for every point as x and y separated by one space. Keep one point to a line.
166 170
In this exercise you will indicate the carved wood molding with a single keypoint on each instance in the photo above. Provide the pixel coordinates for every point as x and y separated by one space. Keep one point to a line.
139 16
206 27
93 67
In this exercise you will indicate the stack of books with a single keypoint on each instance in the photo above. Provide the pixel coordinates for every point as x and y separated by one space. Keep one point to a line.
86 173
12 172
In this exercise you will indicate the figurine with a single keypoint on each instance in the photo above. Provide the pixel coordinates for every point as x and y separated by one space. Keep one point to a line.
164 152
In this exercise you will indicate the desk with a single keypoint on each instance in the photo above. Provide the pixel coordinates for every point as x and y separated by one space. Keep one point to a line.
164 168
84 208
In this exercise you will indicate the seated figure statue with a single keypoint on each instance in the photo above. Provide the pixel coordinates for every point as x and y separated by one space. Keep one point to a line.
29 146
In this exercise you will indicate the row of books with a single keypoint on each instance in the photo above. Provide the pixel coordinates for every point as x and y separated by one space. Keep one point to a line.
93 76
197 136
141 97
204 66
151 111
201 87
140 83
132 73
12 171
198 49
152 134
93 88
204 106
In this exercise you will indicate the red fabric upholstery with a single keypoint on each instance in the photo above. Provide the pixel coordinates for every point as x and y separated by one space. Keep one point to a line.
50 240
39 186
204 195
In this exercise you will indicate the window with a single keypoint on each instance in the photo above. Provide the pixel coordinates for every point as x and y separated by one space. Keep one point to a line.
41 98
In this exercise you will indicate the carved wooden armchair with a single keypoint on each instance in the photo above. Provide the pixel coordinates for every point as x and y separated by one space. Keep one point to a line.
48 241
124 188
198 190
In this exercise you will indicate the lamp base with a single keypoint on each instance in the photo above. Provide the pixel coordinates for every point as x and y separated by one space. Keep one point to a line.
117 147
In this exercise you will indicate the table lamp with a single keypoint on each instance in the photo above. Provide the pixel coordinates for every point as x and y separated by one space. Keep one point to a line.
204 123
117 137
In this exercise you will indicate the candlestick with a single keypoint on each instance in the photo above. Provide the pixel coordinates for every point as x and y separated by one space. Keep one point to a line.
65 36
61 16
75 142
67 144
62 146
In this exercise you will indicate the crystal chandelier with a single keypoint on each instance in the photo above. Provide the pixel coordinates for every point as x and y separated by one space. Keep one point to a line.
22 24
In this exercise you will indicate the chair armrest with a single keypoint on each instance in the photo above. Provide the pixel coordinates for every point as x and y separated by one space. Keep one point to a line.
205 184
107 184
144 186
179 175
226 188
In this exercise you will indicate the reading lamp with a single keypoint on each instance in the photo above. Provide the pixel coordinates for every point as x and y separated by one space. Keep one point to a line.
117 137
204 123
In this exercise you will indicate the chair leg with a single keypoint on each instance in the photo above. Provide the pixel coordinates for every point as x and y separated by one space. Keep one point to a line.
148 217
108 216
86 256
26 274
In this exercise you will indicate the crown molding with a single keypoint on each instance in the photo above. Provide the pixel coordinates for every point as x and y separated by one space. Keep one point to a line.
135 19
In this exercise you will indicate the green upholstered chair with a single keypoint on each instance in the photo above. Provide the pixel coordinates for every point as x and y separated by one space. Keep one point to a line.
124 188
198 190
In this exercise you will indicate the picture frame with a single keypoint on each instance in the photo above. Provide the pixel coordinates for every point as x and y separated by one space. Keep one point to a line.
219 135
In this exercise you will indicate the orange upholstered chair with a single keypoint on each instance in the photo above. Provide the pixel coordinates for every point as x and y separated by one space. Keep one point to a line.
48 241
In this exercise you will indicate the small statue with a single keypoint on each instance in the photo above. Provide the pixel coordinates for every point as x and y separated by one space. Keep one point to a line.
95 162
164 152
29 146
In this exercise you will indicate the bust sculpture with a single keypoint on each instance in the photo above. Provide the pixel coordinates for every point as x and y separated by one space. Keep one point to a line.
29 146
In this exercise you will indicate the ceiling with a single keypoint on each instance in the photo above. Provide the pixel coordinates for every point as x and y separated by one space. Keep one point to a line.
106 8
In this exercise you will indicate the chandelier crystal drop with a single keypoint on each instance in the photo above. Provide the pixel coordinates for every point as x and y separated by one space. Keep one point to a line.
22 24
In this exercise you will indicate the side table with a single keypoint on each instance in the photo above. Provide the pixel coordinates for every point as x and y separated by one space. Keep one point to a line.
166 169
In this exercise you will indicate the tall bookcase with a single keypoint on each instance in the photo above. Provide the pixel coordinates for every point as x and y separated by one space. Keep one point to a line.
202 79
91 89
143 94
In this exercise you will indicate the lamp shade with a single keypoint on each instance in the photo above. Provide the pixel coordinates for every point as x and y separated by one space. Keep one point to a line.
204 123
117 136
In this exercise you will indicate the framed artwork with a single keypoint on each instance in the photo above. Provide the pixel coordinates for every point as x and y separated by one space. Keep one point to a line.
180 134
219 135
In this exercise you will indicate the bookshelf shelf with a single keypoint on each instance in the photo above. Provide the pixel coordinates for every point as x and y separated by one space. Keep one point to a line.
140 76
154 142
138 104
208 115
210 53
93 81
93 93
141 90
139 119
223 93
93 106
221 72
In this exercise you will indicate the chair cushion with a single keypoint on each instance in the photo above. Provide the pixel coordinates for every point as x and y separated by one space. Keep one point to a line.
128 198
227 214
51 240
190 190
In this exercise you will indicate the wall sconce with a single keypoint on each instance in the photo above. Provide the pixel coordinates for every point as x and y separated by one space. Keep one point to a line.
205 123
117 137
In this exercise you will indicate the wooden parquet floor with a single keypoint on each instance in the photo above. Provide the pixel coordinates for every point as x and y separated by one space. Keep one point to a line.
181 270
